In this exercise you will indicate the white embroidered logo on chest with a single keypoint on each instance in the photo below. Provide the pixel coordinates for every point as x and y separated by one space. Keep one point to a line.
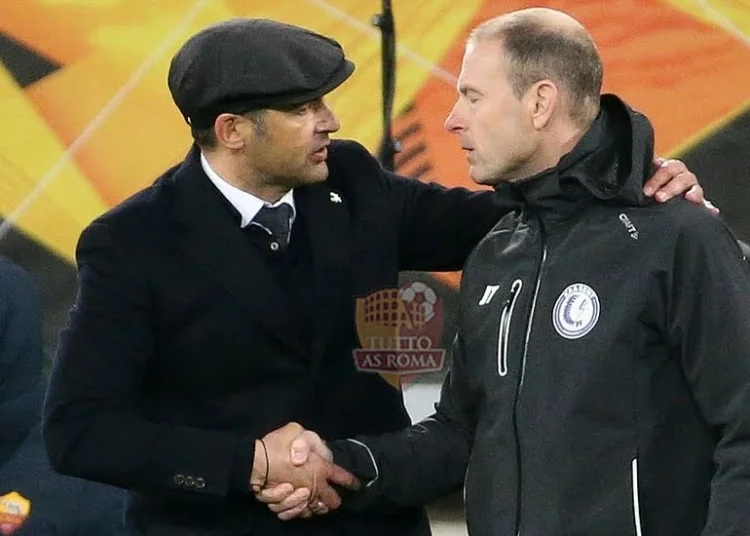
629 226
576 311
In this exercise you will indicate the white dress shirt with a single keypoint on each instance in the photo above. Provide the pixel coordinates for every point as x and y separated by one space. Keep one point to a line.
246 204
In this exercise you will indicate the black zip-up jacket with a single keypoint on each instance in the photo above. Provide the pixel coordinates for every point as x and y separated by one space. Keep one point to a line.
601 379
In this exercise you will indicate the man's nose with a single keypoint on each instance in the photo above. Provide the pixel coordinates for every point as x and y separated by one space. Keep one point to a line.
331 121
454 122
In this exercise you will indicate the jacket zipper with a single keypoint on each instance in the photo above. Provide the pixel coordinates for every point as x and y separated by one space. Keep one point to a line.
522 375
636 500
505 317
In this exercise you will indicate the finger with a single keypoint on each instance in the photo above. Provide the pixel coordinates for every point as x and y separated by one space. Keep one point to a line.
680 183
696 195
319 446
328 496
293 426
660 177
342 477
670 179
318 508
292 429
301 449
298 511
309 442
275 494
300 496
306 514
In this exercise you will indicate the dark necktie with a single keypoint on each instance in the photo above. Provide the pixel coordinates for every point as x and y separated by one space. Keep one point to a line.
276 220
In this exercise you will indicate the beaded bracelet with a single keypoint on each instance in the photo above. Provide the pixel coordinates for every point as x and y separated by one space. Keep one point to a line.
268 466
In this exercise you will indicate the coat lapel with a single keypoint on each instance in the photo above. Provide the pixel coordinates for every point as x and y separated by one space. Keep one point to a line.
329 226
212 238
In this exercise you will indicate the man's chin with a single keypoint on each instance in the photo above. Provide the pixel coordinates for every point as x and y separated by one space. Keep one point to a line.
476 175
485 179
319 173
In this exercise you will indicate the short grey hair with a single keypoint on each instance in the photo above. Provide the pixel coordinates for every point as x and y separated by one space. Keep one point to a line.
537 52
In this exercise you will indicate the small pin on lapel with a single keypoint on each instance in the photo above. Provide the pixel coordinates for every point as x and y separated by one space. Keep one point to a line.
335 198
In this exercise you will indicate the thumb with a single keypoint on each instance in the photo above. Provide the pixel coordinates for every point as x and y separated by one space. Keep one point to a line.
316 445
300 450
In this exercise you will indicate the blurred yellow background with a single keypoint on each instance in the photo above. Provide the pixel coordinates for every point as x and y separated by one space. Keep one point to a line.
101 125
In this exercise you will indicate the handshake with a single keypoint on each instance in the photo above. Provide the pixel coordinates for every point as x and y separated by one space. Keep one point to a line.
293 473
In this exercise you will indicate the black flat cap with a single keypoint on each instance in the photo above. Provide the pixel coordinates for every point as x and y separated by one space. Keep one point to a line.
246 64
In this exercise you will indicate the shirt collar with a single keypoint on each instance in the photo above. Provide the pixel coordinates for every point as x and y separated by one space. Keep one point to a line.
246 203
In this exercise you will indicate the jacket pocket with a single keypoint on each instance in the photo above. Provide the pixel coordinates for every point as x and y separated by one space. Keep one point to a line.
636 498
504 331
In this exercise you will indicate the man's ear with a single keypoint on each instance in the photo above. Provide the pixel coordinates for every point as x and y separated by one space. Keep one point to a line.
541 101
228 130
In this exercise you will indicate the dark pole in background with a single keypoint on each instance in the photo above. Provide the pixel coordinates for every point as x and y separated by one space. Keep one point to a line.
385 22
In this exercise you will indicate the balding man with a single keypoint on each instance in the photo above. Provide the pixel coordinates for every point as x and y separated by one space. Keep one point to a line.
601 376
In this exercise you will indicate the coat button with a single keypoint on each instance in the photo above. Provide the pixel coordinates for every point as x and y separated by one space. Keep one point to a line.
200 483
179 479
190 481
274 246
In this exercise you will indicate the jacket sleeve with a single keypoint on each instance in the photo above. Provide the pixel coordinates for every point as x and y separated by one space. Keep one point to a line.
437 227
708 315
440 226
421 462
91 425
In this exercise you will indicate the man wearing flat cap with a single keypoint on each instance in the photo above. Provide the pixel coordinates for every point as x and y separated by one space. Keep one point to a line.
218 304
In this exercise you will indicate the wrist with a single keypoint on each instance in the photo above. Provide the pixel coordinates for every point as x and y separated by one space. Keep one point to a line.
357 458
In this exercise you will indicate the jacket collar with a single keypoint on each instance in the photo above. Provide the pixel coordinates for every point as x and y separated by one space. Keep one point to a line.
246 204
610 163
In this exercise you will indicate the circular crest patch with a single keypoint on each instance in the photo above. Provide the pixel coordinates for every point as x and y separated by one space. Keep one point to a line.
576 311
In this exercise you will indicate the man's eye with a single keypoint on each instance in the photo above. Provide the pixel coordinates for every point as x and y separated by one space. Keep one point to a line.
300 109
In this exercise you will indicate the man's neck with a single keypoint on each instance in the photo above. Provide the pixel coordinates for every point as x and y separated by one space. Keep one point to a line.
568 139
560 142
235 174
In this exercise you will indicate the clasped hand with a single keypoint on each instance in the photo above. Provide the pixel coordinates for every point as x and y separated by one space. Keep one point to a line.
294 471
